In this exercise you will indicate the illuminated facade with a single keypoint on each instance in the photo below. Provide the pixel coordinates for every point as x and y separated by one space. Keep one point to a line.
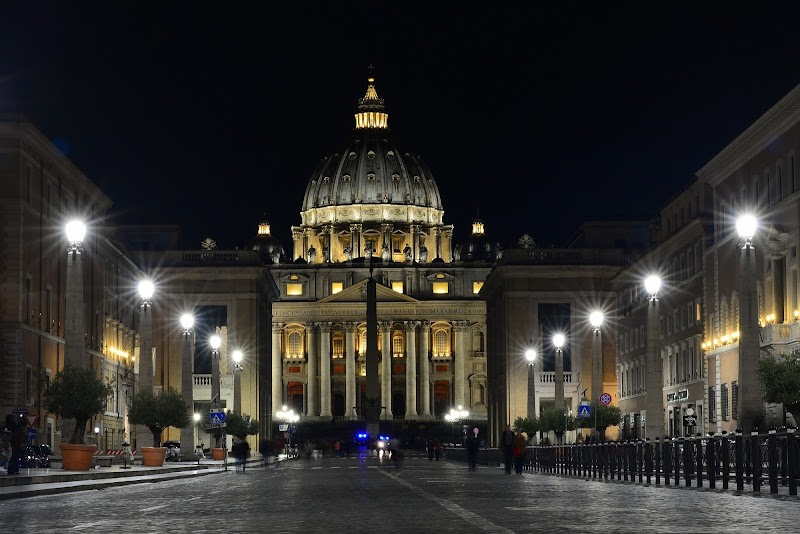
373 207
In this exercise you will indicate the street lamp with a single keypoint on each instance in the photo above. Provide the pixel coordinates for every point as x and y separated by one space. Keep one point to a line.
237 382
146 291
291 418
187 381
456 415
596 319
215 341
654 405
530 356
198 448
75 324
558 342
750 400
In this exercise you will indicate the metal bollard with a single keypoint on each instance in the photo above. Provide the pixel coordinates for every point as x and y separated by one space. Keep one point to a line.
755 459
666 445
725 451
772 460
698 447
688 464
791 460
648 459
711 460
632 460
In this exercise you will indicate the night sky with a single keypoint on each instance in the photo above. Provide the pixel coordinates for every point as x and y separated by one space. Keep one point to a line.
207 115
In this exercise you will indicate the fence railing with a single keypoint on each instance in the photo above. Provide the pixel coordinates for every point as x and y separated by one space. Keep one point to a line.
755 460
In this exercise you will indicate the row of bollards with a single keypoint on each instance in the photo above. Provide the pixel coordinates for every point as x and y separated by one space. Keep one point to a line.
713 459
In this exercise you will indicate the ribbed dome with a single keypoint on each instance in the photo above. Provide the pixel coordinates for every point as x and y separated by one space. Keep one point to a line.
373 176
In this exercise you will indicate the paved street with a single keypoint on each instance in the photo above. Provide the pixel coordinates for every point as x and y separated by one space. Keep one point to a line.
365 495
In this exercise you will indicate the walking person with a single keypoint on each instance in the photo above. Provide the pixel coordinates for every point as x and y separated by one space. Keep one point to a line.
429 447
520 447
472 452
437 449
17 429
507 446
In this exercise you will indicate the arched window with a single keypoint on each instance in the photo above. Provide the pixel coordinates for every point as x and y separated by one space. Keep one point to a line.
397 345
440 345
295 344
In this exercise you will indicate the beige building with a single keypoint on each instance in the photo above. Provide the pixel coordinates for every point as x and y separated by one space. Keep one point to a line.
374 209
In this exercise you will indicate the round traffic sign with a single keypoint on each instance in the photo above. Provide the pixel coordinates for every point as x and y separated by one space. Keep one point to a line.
689 411
605 398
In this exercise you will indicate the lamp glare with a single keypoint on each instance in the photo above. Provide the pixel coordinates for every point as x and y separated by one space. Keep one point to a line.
76 230
530 355
596 318
746 226
187 320
652 284
558 341
215 341
237 356
146 289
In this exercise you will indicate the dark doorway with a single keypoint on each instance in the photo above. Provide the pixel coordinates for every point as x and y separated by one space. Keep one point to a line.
441 398
338 405
399 405
294 392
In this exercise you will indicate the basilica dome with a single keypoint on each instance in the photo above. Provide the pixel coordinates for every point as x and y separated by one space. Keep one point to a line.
372 178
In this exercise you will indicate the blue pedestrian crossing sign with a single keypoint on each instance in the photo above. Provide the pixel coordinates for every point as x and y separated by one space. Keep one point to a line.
217 417
585 410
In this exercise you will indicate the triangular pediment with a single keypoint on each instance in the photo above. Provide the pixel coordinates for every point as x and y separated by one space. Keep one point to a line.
358 293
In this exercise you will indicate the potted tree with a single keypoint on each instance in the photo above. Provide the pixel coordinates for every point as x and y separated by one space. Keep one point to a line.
241 426
157 412
604 415
77 393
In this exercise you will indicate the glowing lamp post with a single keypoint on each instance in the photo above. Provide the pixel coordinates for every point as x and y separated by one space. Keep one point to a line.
237 381
654 404
215 341
596 320
558 342
750 401
530 357
146 291
187 381
290 418
455 416
75 319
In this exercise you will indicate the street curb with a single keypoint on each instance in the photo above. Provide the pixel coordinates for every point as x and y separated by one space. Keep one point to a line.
33 491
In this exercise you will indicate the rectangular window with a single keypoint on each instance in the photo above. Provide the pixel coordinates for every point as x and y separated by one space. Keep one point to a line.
336 287
723 401
689 314
698 310
712 405
641 336
476 287
396 245
735 399
441 288
294 289
397 286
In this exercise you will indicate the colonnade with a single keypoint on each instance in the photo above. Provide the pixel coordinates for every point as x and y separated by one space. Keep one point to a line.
417 369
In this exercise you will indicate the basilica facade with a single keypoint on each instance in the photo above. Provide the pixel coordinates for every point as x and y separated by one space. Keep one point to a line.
373 209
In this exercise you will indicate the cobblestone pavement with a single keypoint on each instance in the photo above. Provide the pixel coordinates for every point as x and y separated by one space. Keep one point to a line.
363 494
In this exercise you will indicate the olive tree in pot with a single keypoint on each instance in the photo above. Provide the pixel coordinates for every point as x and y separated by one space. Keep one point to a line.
157 411
77 393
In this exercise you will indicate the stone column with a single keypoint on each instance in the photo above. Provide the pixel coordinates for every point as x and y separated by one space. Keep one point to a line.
597 365
350 369
355 246
437 233
559 380
415 242
313 363
187 392
411 369
654 402
448 246
386 368
460 362
277 369
750 400
75 318
424 369
325 369
143 434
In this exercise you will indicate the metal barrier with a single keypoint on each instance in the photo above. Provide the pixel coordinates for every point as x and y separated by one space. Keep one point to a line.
753 460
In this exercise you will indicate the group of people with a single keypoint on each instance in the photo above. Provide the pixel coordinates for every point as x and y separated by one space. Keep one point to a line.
514 446
434 449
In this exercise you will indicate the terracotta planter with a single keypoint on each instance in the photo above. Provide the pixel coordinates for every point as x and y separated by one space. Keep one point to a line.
153 456
218 454
77 457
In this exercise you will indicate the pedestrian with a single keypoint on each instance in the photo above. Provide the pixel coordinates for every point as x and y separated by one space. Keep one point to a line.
507 446
520 446
17 430
437 449
429 446
472 451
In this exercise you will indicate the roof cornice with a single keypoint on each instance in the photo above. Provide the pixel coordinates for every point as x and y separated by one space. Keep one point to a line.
753 140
